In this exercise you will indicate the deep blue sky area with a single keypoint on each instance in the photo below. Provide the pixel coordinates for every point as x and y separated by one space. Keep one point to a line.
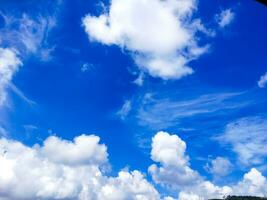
85 84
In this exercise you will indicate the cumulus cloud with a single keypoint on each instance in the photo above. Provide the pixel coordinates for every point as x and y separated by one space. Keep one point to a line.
175 172
253 183
46 174
219 167
247 137
61 169
140 79
23 35
160 35
169 150
263 81
71 170
9 65
225 17
84 150
128 186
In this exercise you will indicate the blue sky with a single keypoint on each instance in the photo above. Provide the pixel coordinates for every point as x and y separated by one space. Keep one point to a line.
124 71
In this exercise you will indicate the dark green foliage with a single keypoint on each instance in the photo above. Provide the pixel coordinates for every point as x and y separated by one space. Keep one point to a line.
241 198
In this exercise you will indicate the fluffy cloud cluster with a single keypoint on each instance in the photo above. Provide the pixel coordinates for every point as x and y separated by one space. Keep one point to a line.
63 169
175 170
253 183
169 151
71 170
9 64
160 35
23 36
173 110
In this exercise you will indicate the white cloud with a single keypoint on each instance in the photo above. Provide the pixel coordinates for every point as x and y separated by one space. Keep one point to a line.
204 190
28 35
160 35
225 18
253 183
140 79
71 170
61 169
83 151
247 137
219 167
263 81
169 150
172 110
128 186
175 172
125 109
9 65
42 174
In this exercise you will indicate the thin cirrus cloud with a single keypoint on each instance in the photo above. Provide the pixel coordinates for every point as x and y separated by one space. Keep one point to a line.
247 138
225 18
79 172
75 173
22 36
159 35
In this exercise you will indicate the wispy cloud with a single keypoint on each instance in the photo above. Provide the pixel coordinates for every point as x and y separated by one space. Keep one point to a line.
28 34
263 81
125 109
166 112
225 17
247 137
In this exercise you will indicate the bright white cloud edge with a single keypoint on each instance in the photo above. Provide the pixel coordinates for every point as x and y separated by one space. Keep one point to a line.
160 35
61 169
21 37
